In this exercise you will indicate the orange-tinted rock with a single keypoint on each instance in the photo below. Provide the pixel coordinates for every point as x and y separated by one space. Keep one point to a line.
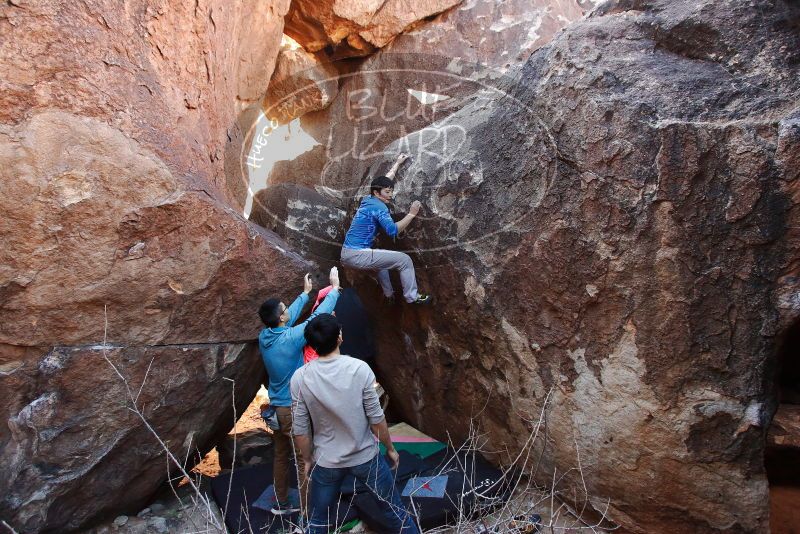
785 428
171 75
422 76
97 223
300 84
120 222
355 27
494 34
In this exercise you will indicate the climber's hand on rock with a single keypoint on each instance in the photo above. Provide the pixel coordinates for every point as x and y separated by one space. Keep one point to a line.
402 157
307 286
394 458
415 206
335 277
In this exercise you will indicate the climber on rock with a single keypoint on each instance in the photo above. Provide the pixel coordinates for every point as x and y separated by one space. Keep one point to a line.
372 214
281 343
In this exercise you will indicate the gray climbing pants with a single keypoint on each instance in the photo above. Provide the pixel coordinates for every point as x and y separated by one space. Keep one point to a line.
368 259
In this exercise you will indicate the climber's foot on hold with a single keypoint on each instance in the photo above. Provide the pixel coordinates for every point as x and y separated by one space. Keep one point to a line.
422 299
388 300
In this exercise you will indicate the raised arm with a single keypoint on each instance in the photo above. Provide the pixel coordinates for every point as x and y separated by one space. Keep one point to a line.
400 159
300 302
327 306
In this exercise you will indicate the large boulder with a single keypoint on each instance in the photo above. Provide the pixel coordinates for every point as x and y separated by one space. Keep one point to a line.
614 244
124 247
77 451
188 69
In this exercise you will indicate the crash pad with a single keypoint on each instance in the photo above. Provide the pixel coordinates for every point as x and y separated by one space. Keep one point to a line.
250 485
409 439
451 485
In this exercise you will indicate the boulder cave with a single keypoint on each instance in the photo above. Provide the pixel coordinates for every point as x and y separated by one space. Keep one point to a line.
610 231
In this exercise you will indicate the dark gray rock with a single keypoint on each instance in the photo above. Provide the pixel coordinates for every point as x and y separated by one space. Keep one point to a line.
251 447
83 453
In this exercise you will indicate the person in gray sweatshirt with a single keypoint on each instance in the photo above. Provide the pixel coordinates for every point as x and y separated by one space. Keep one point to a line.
335 396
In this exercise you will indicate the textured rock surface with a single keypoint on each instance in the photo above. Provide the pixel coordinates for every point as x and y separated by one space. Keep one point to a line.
95 220
785 428
118 132
188 69
422 76
300 84
180 511
355 27
252 447
624 246
620 233
77 451
311 220
494 34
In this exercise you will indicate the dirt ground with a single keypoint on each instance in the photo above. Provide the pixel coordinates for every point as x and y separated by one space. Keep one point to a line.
784 509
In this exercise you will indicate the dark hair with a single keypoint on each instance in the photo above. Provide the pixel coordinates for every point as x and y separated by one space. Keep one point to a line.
322 333
270 312
379 183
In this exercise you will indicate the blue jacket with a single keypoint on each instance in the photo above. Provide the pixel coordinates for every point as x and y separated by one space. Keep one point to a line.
282 347
371 214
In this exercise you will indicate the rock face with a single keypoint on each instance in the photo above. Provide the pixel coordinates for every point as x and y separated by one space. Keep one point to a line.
614 242
355 27
300 84
625 240
188 69
116 150
77 450
311 220
495 34
785 429
422 76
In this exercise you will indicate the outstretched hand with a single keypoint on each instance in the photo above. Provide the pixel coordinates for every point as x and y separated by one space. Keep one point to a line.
334 278
307 285
402 157
415 206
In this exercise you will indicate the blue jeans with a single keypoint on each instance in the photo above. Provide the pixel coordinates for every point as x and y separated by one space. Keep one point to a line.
376 475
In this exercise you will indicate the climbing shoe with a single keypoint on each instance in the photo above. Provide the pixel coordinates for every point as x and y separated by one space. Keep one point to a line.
390 300
283 508
423 299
